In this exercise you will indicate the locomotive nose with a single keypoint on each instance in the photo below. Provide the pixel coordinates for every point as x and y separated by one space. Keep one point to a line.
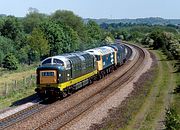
48 76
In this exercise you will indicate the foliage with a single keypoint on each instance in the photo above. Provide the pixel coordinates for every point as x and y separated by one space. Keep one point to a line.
161 37
1 57
32 20
10 62
172 119
55 36
6 46
38 42
94 30
158 39
73 21
165 41
140 21
177 89
11 27
36 36
94 33
23 56
107 38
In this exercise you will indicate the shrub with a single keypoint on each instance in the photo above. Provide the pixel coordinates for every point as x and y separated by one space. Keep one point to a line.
172 120
177 89
10 62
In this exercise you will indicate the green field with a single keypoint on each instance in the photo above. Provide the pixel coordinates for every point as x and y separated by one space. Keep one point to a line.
16 85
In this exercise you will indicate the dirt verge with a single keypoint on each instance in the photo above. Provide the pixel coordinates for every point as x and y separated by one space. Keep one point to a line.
120 116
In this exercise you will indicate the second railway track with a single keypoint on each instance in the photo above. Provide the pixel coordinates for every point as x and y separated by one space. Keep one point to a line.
18 116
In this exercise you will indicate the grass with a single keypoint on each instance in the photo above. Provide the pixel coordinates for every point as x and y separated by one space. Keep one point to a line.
21 90
21 68
10 76
8 100
160 97
157 99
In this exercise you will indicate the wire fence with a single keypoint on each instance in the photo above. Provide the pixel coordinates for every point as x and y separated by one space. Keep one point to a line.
17 85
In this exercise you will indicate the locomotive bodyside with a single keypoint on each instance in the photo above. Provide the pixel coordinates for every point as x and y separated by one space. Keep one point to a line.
60 74
120 49
104 59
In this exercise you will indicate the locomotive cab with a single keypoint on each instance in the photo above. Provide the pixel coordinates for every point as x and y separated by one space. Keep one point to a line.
52 72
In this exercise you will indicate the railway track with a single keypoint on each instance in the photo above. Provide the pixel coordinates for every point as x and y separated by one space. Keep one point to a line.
63 118
25 113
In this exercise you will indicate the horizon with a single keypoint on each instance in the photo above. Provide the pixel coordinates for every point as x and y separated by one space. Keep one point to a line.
116 9
135 18
103 18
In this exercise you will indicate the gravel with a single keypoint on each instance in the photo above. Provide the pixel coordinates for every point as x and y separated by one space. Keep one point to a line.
112 101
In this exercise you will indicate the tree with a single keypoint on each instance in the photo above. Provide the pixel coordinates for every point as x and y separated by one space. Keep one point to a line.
147 41
33 19
94 33
1 57
61 38
6 46
175 49
11 28
70 19
38 42
23 56
10 62
55 36
71 42
107 38
94 30
158 39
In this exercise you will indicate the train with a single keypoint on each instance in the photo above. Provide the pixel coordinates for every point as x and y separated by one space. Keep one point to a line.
61 75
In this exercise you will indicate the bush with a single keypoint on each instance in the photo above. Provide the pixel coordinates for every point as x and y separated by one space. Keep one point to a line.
172 120
177 89
10 62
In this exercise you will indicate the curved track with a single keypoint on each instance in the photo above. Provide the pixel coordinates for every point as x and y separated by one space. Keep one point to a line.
67 116
63 118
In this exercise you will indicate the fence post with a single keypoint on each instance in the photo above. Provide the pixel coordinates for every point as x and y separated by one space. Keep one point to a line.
6 88
24 81
15 84
31 80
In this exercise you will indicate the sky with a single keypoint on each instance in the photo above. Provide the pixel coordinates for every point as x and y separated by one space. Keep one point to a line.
113 9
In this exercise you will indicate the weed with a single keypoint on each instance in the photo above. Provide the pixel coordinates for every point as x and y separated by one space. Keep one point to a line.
172 119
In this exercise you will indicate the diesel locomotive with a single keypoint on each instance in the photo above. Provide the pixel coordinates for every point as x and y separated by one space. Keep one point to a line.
58 76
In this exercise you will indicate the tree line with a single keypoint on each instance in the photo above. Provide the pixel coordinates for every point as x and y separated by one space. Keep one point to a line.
31 38
36 36
164 37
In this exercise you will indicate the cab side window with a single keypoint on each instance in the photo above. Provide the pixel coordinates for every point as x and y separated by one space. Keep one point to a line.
97 57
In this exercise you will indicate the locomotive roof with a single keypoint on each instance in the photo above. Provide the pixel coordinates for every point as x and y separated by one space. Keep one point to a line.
101 50
63 59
